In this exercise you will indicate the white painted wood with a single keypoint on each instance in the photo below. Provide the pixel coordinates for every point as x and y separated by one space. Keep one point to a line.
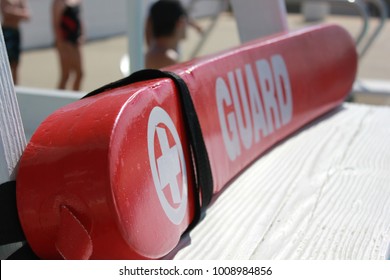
12 138
324 193
257 18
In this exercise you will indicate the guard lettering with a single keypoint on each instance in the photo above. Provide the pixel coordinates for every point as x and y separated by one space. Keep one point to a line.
252 106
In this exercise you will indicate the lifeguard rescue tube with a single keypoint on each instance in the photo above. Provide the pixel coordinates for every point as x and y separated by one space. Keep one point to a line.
109 176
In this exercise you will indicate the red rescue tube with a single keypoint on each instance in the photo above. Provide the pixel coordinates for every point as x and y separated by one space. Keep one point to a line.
109 176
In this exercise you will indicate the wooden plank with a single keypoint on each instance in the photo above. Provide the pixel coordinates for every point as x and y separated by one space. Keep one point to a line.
322 194
12 138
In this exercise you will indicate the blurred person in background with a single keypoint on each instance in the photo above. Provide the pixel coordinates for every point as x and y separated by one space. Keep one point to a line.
68 34
148 27
13 13
165 27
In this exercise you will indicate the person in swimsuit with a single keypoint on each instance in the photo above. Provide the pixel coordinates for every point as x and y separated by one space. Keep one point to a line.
68 34
13 12
148 32
167 21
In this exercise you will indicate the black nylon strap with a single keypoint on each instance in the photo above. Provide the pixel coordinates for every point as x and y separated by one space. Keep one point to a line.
203 176
11 230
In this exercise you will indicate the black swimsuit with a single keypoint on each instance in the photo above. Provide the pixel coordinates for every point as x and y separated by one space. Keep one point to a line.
12 43
70 24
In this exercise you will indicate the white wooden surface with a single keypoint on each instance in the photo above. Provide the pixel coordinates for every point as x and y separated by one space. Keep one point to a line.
12 138
324 193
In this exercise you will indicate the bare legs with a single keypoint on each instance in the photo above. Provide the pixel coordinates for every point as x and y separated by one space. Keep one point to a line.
70 65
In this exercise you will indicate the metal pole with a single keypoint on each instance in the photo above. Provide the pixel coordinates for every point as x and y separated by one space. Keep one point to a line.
135 34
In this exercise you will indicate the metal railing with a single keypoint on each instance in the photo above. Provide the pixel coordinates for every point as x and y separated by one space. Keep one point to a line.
213 15
381 7
364 39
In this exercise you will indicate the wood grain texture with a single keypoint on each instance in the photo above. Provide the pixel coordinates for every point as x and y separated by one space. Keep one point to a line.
12 138
322 194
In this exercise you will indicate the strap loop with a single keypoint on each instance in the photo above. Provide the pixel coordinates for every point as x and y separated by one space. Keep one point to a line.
11 229
203 177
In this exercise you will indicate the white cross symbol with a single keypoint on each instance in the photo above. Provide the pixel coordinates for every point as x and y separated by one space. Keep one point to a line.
169 169
168 165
